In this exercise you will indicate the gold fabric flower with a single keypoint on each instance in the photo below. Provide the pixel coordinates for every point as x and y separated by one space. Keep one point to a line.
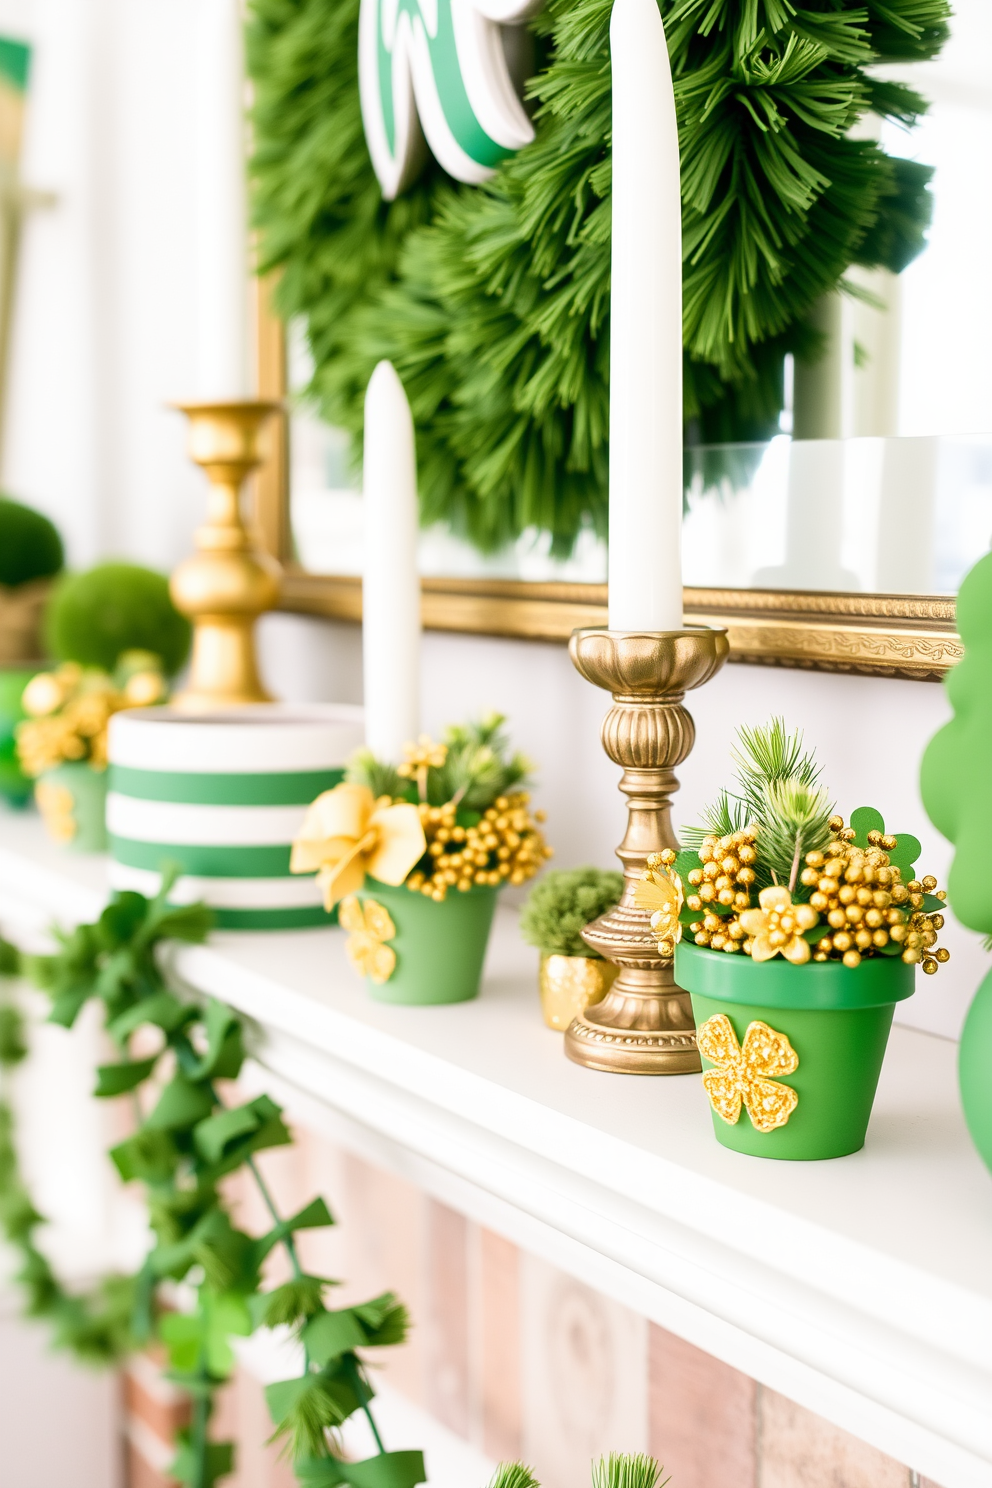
777 927
660 893
347 833
741 1074
368 924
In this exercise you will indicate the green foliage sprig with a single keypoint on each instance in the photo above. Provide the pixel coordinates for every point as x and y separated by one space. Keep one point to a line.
777 792
619 1470
778 202
474 767
186 1142
563 903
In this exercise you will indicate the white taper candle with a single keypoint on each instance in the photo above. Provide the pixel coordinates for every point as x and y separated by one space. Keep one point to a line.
221 200
645 540
390 586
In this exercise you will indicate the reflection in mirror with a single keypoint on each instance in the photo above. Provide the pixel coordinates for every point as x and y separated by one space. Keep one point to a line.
885 516
886 483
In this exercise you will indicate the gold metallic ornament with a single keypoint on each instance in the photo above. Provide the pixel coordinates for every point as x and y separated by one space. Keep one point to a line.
570 984
660 893
644 1024
228 582
742 1073
776 929
369 925
504 846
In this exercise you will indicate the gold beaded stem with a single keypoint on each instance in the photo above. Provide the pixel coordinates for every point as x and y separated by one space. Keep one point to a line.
505 846
857 891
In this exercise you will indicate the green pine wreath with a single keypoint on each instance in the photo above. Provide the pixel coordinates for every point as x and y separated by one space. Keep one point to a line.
493 301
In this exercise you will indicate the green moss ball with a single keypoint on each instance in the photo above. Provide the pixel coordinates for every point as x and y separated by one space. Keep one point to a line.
93 617
30 546
563 903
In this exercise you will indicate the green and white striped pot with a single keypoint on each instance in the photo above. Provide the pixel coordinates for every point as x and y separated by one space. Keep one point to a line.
223 795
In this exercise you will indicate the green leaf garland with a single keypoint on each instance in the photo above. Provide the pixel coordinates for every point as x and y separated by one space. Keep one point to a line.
181 1151
493 302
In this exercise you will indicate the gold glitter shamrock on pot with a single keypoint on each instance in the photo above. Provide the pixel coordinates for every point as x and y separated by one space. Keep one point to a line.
741 1074
777 927
660 893
347 833
369 924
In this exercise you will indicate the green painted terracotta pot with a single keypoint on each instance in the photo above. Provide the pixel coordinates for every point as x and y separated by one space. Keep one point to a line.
837 1020
975 1070
15 787
72 800
439 948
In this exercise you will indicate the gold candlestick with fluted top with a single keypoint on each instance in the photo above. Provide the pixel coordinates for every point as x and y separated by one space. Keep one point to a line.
644 1025
228 582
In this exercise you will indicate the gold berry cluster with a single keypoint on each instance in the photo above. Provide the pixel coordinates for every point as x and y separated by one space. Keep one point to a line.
725 879
69 710
861 896
857 891
505 846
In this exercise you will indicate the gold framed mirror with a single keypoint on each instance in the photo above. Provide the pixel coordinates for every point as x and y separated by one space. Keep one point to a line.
837 545
904 635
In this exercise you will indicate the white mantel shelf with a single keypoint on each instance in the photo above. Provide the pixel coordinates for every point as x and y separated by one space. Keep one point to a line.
861 1287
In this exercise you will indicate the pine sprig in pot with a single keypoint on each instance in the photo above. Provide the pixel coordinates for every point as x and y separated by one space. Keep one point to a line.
825 890
619 1470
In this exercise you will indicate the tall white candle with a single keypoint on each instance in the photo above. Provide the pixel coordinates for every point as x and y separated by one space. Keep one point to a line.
390 586
645 552
221 199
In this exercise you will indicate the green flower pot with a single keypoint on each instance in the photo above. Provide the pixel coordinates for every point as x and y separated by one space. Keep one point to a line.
15 786
837 1020
439 948
72 800
975 1070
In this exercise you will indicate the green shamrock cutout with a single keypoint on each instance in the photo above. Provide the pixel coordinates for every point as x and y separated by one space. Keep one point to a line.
955 778
907 849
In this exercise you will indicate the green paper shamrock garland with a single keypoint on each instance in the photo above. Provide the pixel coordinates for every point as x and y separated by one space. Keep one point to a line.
187 1142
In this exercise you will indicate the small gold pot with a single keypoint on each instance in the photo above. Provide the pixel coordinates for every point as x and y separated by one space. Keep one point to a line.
570 983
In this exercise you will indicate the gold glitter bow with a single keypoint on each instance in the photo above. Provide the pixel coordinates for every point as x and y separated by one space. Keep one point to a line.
347 833
368 924
660 893
741 1073
777 927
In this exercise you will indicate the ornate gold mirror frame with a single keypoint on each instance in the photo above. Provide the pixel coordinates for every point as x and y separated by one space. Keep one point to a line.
895 635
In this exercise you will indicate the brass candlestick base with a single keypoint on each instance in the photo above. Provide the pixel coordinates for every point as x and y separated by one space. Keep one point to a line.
643 1026
227 583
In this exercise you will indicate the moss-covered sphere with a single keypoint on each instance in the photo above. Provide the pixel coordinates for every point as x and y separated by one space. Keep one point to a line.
93 617
30 546
563 903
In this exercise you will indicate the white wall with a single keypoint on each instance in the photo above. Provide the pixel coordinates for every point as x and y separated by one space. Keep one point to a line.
104 329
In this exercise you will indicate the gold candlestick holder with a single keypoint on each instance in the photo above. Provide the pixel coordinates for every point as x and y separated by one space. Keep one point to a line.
228 582
644 1024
